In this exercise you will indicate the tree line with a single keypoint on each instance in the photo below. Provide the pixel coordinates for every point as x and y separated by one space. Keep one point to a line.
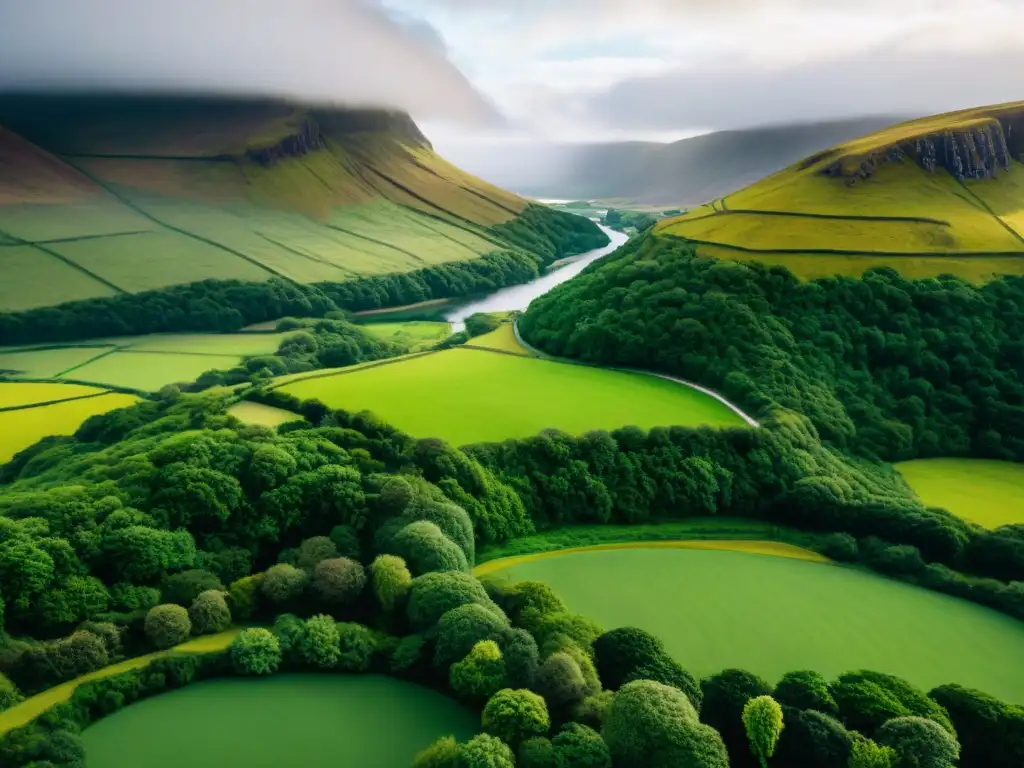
538 237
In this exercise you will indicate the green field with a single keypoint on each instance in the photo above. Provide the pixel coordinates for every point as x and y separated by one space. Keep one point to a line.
287 720
149 371
415 335
469 396
15 394
772 615
921 224
264 415
502 339
25 427
990 493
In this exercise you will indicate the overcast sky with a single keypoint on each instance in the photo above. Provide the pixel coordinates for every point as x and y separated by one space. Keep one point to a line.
552 69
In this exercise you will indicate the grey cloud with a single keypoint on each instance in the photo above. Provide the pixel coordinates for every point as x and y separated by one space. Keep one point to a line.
890 81
331 51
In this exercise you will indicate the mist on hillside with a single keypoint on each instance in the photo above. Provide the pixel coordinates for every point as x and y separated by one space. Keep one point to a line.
324 51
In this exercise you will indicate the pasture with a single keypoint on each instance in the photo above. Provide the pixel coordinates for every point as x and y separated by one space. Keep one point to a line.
15 394
502 339
263 415
990 493
415 335
22 428
470 396
295 720
47 363
149 371
772 615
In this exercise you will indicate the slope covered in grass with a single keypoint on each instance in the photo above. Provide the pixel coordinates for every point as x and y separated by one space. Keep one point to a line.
990 493
122 195
932 196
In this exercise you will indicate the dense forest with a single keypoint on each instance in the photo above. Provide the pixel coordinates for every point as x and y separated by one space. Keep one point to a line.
540 236
352 544
884 367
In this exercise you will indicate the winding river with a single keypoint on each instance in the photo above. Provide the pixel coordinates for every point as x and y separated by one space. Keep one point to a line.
520 296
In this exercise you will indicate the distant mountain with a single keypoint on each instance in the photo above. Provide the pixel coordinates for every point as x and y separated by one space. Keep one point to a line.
103 196
682 174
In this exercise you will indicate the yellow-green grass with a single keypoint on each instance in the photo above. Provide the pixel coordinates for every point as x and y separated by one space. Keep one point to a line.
990 493
149 371
263 415
469 396
357 721
22 428
503 339
33 278
47 363
34 706
14 394
974 230
771 615
416 335
811 266
770 548
233 344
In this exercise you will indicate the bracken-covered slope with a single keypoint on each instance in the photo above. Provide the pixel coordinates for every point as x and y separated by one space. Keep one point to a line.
104 196
943 194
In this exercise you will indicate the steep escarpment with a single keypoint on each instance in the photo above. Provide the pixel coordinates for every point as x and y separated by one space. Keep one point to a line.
114 195
940 195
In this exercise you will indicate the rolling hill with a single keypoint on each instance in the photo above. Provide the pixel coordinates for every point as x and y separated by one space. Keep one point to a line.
105 196
681 174
943 194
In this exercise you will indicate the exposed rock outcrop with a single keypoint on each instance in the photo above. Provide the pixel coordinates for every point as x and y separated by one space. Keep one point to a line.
307 139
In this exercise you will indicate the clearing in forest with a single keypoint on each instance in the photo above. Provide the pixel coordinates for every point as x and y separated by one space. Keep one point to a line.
718 609
310 720
469 396
990 493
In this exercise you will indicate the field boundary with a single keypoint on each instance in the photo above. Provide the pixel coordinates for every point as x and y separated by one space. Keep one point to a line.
840 252
747 546
355 368
827 216
32 707
45 403
534 352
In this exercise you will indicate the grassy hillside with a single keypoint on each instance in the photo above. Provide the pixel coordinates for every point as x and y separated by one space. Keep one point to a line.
938 195
115 196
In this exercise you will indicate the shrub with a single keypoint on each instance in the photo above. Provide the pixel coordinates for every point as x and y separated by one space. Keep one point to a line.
485 751
580 629
255 652
593 709
434 594
919 743
108 632
991 732
408 654
338 581
243 596
167 625
128 597
620 652
867 754
346 542
319 645
480 675
313 551
356 647
391 581
426 549
813 740
577 746
515 715
725 696
452 520
668 671
529 601
463 627
443 753
183 588
762 719
651 725
209 613
289 631
283 583
522 658
839 546
536 753
9 695
867 699
806 690
560 681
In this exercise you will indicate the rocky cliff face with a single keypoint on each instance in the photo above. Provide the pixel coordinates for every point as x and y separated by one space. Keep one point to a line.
307 139
979 149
